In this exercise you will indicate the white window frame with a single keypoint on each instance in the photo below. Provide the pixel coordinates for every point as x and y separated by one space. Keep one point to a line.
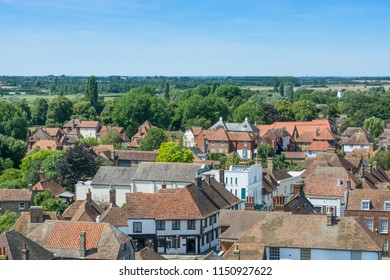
139 227
386 206
22 206
274 253
363 205
383 226
369 222
385 245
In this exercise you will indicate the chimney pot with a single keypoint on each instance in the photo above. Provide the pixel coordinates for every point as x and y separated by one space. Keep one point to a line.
25 252
222 176
270 163
237 252
163 184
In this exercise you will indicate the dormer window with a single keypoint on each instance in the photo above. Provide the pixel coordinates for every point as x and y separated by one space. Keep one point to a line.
387 206
365 205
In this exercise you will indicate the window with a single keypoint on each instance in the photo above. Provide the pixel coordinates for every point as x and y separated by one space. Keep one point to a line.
222 143
22 206
137 227
369 224
176 225
384 226
385 245
160 225
212 142
365 205
160 242
356 255
231 180
274 253
236 181
226 180
305 254
210 221
191 224
245 143
386 207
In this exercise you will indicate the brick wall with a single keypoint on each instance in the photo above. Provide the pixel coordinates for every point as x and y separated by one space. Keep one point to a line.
13 206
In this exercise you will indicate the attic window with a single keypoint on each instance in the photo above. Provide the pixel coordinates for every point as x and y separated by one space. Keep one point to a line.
365 205
386 207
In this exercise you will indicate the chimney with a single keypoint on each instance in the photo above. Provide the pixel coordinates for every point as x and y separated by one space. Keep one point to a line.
222 177
329 218
198 182
349 185
361 171
25 253
112 195
270 163
208 176
41 175
236 253
3 255
278 203
317 132
83 247
36 214
298 189
249 204
89 196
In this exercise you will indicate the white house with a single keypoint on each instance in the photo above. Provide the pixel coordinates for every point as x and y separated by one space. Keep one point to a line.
89 129
189 136
359 140
180 220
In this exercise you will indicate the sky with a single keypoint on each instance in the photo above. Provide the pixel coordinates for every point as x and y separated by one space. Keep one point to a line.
195 37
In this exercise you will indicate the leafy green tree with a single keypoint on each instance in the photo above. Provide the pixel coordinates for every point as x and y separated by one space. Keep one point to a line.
106 114
91 91
83 110
251 110
265 151
374 126
153 139
5 164
58 112
11 179
49 164
304 110
39 111
227 91
78 163
383 159
49 202
284 110
142 90
12 149
89 141
25 108
348 122
281 89
166 90
13 121
172 152
112 137
7 220
232 159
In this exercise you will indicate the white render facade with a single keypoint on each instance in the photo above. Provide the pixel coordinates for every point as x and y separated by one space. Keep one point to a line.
88 132
188 139
347 148
326 204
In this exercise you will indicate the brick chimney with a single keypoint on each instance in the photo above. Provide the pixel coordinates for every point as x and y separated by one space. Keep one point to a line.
36 214
329 218
41 175
249 204
317 132
298 189
25 253
89 196
222 176
278 203
270 163
163 184
208 177
198 182
83 246
112 195
3 255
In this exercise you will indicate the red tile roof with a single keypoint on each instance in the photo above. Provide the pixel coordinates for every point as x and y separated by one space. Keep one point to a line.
47 145
89 124
377 199
15 195
49 184
318 146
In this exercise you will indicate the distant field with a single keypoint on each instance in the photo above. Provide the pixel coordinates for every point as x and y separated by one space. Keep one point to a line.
32 97
328 87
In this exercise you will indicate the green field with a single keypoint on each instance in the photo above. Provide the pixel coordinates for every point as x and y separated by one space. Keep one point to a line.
74 97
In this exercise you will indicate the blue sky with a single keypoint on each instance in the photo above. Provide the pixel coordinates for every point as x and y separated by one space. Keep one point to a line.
195 37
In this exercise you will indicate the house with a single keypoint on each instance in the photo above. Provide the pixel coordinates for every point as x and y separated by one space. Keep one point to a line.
141 133
89 129
147 254
125 158
322 137
45 134
87 210
316 147
15 200
53 187
384 138
306 237
245 182
295 157
190 135
182 220
71 125
106 178
16 246
150 176
105 129
47 145
372 210
356 138
278 138
71 137
83 240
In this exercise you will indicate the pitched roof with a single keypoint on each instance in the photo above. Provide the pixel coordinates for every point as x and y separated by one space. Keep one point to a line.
385 134
13 242
325 135
63 239
72 123
305 137
24 225
297 231
49 184
136 155
318 146
52 131
101 148
294 155
148 254
358 138
82 210
347 133
89 124
240 136
244 126
377 199
218 134
114 175
187 203
218 194
331 158
114 215
168 171
15 195
47 144
196 130
246 251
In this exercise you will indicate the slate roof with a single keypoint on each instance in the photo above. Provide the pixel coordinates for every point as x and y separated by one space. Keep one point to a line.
13 242
62 238
148 254
15 195
331 158
377 199
168 171
187 203
245 126
247 251
311 231
49 184
114 175
347 133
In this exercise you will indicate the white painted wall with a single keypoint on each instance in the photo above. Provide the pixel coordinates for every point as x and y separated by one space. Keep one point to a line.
100 193
311 153
188 139
286 188
81 189
242 152
154 186
329 201
148 226
88 132
349 148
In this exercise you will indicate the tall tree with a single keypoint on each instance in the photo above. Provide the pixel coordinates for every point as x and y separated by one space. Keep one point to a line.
153 139
13 121
39 111
166 90
58 112
374 126
49 202
304 110
251 110
13 149
172 152
283 107
83 110
91 91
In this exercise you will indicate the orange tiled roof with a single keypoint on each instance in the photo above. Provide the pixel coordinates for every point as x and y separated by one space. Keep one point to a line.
49 184
89 124
47 144
15 195
318 146
216 135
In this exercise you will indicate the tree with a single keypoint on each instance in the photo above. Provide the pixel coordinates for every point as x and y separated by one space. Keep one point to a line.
172 152
232 159
58 112
91 92
83 110
166 90
49 202
265 151
12 149
251 110
13 121
227 91
281 89
153 139
39 111
374 126
5 164
284 110
11 179
106 114
25 108
304 110
383 158
78 163
7 220
112 137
